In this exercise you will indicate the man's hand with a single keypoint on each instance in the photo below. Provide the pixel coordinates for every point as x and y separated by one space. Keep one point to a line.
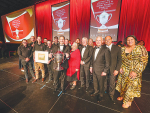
27 59
67 55
115 73
103 74
82 62
91 69
48 61
32 45
50 55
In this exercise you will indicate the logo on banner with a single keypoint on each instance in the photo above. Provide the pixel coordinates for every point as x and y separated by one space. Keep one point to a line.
100 10
16 25
59 21
103 19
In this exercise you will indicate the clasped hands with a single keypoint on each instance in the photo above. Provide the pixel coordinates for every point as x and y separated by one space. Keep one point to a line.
131 75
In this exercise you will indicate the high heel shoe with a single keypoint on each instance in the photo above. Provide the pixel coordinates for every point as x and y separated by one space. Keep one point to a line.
126 105
120 98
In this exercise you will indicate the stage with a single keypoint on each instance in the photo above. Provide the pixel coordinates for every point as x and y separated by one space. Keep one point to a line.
18 97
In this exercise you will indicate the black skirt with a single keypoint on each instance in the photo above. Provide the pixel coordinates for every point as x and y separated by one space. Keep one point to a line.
73 77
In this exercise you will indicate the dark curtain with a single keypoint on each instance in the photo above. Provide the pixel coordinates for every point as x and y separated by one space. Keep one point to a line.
134 19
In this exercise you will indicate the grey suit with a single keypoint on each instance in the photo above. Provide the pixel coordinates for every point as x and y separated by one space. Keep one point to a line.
115 65
99 65
84 69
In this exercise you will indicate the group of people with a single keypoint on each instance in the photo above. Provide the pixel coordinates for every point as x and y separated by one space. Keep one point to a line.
103 61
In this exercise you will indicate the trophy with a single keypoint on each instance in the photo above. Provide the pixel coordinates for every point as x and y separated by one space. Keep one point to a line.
103 19
58 58
60 23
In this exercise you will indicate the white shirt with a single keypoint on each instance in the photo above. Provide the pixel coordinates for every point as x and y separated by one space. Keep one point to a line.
61 47
110 46
96 52
83 50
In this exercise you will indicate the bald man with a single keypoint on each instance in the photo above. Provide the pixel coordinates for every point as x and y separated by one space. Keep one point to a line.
99 67
115 52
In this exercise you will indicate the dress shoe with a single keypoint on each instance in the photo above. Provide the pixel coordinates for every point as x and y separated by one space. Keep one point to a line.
26 80
87 89
99 99
94 94
63 91
112 99
49 81
34 80
42 79
81 87
55 89
73 87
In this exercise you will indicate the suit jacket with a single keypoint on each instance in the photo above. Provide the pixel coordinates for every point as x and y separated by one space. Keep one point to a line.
115 58
87 55
102 61
66 49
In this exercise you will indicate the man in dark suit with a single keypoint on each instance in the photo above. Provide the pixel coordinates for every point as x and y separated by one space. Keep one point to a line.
114 66
78 42
86 55
99 67
55 42
50 63
57 74
67 43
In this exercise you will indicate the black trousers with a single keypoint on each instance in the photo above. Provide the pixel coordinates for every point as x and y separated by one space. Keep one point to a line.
98 82
84 73
111 80
50 70
25 66
62 76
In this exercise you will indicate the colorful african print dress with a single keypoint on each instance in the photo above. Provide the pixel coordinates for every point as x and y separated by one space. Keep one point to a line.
135 61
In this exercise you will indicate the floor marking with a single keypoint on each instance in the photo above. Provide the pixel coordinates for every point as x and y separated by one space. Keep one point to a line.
145 81
94 103
137 107
42 86
145 94
9 106
54 104
59 93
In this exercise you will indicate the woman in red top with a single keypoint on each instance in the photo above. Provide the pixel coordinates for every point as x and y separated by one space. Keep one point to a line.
73 71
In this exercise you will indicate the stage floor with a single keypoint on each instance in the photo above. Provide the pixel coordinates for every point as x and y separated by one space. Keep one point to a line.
18 97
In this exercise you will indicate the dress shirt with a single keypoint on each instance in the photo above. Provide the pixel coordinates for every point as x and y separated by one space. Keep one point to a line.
61 47
110 46
96 52
83 50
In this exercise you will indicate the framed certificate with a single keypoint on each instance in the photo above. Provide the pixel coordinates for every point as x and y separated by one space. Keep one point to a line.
41 56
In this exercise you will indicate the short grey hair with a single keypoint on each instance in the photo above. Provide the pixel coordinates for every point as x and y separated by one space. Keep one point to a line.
74 43
85 38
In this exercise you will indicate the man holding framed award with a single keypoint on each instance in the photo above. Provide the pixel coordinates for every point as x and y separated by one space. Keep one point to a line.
39 47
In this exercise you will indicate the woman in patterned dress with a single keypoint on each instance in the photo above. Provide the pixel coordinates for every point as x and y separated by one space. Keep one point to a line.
134 61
